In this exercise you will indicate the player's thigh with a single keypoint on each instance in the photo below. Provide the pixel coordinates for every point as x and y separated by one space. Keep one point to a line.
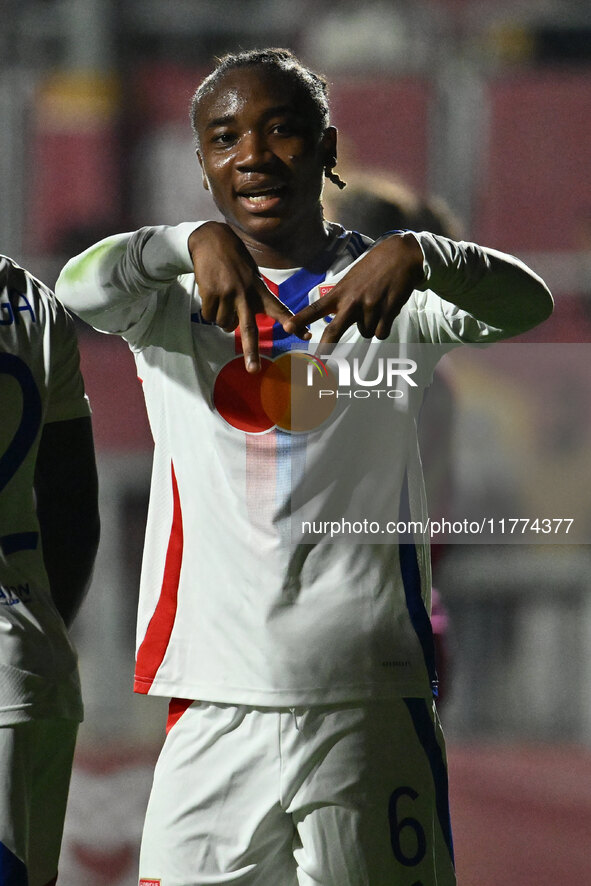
15 793
375 811
35 767
55 745
213 816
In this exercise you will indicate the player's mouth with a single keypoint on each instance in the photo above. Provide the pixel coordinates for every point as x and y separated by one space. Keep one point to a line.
262 199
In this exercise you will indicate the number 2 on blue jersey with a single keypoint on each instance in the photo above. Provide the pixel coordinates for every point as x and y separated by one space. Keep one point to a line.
24 436
26 433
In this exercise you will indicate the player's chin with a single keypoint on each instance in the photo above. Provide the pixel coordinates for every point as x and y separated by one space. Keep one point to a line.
266 228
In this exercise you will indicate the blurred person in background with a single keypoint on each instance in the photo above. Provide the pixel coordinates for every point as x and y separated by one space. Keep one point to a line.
49 530
377 203
303 745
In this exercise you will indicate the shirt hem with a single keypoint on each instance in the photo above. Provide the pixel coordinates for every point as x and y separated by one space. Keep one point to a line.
13 716
282 697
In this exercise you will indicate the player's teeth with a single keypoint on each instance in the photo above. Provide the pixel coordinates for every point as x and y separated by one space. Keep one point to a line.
258 198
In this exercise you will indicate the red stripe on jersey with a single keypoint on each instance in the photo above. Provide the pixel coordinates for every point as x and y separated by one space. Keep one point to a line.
264 325
273 287
155 643
176 709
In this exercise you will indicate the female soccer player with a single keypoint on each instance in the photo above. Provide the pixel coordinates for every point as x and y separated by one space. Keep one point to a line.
303 743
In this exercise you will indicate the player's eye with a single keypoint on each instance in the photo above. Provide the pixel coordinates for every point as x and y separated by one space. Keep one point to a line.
283 128
223 138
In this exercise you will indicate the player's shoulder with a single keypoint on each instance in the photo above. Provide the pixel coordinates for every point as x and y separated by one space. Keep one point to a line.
15 276
353 242
346 246
24 296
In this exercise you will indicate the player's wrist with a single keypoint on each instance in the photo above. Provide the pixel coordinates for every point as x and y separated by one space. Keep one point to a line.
413 256
208 235
405 255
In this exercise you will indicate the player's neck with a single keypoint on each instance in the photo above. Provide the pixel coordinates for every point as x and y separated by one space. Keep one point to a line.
292 252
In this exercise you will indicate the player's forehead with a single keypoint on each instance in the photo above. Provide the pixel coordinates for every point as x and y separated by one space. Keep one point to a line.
249 92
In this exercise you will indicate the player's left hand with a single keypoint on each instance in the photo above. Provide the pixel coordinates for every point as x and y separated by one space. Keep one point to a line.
371 294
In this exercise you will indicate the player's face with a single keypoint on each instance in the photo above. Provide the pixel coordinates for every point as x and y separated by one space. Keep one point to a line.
263 157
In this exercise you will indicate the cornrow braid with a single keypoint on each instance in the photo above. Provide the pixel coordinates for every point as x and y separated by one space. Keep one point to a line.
335 178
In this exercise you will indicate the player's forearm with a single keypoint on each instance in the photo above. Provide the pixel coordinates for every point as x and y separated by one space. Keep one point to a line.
70 549
66 490
493 287
125 268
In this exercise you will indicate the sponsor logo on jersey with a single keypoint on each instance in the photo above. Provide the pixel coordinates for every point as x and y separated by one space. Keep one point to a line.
284 394
322 291
13 594
17 304
395 663
152 882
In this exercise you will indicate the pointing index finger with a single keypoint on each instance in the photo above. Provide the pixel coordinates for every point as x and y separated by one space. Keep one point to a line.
323 307
249 334
275 308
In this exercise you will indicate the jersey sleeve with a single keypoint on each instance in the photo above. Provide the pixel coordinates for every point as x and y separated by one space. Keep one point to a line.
474 294
115 285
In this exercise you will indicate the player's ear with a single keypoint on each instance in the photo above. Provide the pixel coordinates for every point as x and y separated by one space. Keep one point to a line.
204 178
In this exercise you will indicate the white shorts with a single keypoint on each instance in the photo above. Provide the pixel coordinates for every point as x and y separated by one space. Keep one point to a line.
354 795
35 768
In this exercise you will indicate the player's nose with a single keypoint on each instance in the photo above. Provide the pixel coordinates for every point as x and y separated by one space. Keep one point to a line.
254 151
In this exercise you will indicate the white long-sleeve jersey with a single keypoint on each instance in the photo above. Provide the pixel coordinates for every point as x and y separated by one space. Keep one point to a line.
233 606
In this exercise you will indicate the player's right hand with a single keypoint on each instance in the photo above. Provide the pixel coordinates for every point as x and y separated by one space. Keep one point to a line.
231 288
371 294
